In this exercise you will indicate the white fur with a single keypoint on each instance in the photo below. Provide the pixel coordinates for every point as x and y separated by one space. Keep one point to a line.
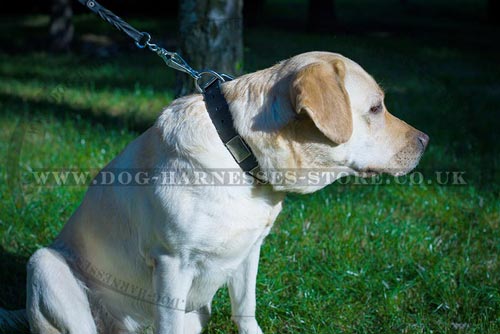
132 256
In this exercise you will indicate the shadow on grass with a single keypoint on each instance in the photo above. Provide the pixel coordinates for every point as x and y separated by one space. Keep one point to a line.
12 280
126 72
63 111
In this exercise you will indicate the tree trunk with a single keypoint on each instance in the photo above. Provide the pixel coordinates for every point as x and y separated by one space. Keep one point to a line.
211 37
322 16
61 26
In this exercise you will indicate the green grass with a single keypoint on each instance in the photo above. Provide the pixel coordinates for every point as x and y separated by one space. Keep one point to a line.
348 259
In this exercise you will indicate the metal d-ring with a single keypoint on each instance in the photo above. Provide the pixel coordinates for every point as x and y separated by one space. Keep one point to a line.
146 43
215 75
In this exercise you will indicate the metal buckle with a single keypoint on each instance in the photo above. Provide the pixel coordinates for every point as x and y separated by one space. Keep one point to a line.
238 149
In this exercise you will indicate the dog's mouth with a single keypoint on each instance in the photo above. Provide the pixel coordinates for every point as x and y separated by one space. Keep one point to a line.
406 162
401 164
395 171
367 172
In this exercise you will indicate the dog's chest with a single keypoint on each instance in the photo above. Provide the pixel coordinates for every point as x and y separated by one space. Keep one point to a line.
216 224
214 231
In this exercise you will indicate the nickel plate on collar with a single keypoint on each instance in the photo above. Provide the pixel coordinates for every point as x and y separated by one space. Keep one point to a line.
238 149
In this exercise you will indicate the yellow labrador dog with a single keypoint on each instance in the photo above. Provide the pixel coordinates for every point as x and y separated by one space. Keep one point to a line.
135 256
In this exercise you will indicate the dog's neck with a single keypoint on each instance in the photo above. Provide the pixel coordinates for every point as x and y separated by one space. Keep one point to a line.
260 107
264 116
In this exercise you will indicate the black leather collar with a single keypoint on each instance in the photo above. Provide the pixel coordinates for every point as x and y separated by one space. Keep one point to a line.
221 117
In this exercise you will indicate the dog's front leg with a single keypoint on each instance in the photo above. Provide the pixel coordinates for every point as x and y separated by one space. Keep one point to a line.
171 282
242 293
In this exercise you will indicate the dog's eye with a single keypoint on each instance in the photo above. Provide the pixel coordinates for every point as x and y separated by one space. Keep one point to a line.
376 108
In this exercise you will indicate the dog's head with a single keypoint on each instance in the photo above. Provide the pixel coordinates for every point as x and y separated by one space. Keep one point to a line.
336 117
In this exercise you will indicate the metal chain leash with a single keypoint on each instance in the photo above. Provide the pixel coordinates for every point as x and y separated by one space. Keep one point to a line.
143 40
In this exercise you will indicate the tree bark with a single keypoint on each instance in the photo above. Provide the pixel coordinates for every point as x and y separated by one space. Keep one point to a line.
321 16
61 26
210 37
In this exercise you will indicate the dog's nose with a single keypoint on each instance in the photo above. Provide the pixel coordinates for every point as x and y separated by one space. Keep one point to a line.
423 139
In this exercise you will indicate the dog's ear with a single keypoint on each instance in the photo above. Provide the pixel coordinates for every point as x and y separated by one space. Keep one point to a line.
318 90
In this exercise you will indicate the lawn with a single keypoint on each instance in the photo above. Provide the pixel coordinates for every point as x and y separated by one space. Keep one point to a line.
352 258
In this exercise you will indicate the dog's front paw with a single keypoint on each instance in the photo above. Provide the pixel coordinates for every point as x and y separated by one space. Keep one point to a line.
248 326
